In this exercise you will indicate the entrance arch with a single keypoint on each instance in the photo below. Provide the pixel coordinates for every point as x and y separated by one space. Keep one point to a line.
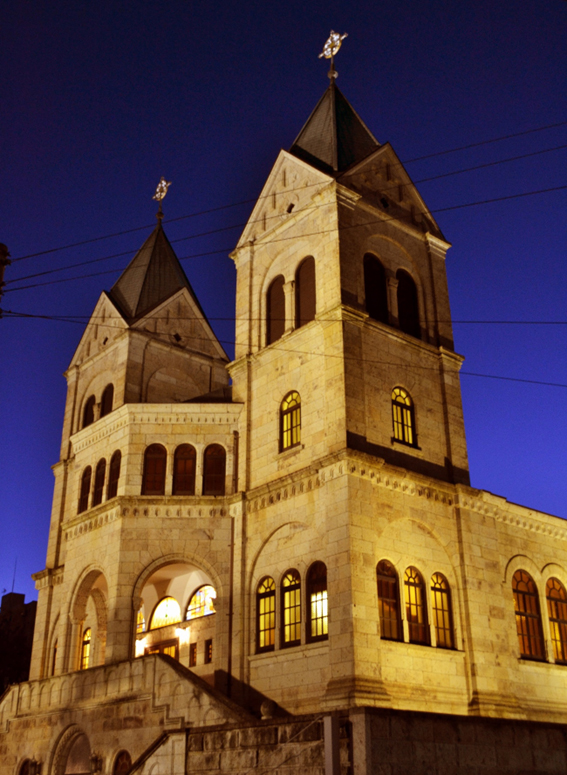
89 612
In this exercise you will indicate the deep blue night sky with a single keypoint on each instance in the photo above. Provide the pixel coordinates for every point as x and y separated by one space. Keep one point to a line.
101 99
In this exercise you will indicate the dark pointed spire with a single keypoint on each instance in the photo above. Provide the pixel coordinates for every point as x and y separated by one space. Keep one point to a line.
153 275
334 137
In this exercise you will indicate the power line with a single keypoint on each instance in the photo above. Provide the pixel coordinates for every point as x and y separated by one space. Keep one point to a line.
249 201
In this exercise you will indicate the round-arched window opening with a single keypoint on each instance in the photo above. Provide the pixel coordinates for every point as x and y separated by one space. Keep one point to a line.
122 763
202 602
79 757
167 611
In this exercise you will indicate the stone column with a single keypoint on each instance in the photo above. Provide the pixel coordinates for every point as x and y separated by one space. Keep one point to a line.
289 292
393 301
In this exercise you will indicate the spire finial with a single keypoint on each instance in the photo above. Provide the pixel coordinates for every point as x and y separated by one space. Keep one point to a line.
160 193
330 49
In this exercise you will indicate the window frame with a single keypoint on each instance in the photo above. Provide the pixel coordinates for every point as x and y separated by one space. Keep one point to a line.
290 437
409 321
195 593
273 325
302 298
418 601
375 289
317 586
403 418
106 403
557 621
442 595
190 477
113 475
85 490
207 474
150 458
532 633
386 574
151 627
86 649
99 480
88 417
262 614
290 600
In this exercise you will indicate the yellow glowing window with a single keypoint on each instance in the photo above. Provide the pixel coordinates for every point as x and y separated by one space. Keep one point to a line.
202 603
140 621
528 619
291 608
403 417
318 611
290 420
557 610
416 610
441 611
266 613
388 601
86 649
166 612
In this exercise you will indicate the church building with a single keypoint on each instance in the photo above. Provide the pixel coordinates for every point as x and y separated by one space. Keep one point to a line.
277 564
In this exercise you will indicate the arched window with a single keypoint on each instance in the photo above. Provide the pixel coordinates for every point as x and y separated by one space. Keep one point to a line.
441 611
557 610
408 308
107 400
202 602
375 289
155 459
25 767
85 649
54 658
275 310
291 608
79 757
403 418
528 618
214 470
290 421
305 294
88 412
167 611
416 607
122 764
388 601
140 621
184 470
266 615
318 622
100 473
113 475
85 490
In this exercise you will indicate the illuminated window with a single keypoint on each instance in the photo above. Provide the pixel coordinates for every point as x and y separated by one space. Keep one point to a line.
305 292
208 651
169 647
107 400
193 655
85 490
557 610
416 609
275 310
153 482
166 612
140 621
441 611
88 412
528 619
122 764
100 473
388 601
184 470
202 602
291 608
266 615
403 417
85 649
114 475
408 308
290 421
318 623
214 470
375 289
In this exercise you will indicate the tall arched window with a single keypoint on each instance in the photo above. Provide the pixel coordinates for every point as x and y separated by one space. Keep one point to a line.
155 458
202 602
375 289
275 310
100 473
113 475
167 611
416 607
266 615
290 421
557 610
184 470
85 490
441 611
122 764
318 611
88 411
403 418
528 618
408 308
291 608
107 400
85 649
79 757
305 293
388 601
214 470
53 658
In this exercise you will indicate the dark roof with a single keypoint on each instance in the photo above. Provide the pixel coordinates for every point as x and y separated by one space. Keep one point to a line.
151 277
222 395
334 137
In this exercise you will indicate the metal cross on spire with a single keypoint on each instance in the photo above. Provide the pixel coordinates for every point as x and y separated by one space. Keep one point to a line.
330 49
160 193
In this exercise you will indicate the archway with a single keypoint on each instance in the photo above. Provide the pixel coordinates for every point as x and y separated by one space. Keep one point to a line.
89 612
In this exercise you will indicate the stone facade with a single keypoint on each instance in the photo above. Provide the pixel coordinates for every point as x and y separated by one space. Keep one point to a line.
350 493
